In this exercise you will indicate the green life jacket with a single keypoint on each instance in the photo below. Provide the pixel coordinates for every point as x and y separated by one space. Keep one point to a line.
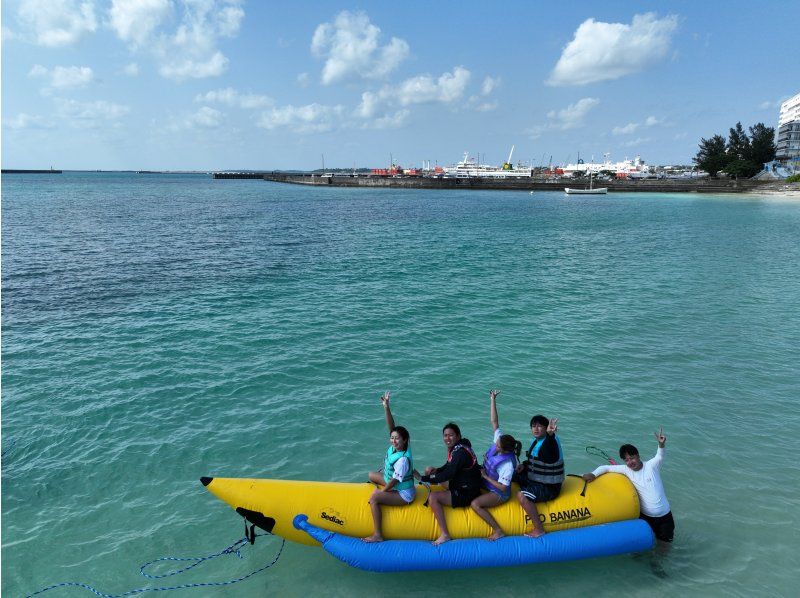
392 457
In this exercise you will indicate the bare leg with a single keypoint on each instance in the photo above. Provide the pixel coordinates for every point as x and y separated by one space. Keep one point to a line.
437 500
378 498
530 508
479 506
376 477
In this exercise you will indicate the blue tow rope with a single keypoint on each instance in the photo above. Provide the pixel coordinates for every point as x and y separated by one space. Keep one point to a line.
232 549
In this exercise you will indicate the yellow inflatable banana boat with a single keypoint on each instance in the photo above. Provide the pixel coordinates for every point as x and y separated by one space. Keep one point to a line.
343 508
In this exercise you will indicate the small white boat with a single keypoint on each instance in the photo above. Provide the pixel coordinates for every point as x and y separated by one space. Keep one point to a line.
590 191
597 191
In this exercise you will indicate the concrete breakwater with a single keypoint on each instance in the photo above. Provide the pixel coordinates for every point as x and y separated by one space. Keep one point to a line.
706 185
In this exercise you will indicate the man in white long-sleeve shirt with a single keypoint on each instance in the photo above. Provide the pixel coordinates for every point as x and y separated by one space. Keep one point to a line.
646 478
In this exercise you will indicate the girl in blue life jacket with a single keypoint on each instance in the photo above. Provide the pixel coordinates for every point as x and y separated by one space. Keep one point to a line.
397 477
499 464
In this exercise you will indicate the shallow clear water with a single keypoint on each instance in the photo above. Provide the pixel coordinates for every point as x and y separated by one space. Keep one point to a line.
158 328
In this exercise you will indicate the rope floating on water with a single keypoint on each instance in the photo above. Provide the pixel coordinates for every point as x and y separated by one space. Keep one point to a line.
593 450
232 549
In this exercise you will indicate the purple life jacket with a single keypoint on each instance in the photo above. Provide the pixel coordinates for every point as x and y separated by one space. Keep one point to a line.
492 462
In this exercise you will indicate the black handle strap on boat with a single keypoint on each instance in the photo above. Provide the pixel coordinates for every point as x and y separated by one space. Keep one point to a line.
585 483
251 534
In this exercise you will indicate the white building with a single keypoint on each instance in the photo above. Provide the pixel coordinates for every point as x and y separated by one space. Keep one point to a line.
787 149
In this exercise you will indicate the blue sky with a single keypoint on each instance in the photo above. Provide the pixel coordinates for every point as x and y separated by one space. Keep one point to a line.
225 84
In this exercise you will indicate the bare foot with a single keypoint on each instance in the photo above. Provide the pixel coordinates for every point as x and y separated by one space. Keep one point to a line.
496 536
441 539
373 538
535 533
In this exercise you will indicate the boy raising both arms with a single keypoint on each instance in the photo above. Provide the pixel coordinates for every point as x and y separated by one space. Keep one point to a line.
646 478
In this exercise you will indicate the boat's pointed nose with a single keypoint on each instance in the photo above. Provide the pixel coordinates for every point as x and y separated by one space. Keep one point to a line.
206 481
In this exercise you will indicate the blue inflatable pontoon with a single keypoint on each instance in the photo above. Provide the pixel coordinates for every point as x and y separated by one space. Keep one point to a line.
609 539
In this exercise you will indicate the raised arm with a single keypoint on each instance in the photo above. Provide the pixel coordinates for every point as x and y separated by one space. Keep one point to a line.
493 409
660 437
387 410
662 441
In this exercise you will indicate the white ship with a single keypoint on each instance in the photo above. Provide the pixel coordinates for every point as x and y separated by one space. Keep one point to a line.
633 169
469 167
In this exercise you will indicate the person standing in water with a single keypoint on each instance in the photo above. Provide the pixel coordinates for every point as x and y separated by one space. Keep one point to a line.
397 477
498 469
462 475
646 478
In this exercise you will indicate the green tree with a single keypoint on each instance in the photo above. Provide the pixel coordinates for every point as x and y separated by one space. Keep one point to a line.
762 144
738 143
739 153
712 157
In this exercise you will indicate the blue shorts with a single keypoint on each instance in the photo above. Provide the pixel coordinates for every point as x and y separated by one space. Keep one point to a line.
504 496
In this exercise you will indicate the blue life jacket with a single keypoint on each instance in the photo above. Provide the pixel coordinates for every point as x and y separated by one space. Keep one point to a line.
392 457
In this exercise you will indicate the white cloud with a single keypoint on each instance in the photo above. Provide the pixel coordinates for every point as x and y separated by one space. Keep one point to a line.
449 87
7 34
55 23
650 121
189 68
312 118
64 77
626 130
772 105
303 79
134 21
90 114
389 121
604 51
635 142
351 49
190 51
370 103
486 107
27 121
422 89
230 97
489 84
572 116
132 69
206 117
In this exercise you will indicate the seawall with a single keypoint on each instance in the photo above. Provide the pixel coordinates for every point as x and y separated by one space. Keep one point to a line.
638 186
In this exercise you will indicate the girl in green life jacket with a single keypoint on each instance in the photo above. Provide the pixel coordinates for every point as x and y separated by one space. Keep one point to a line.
397 477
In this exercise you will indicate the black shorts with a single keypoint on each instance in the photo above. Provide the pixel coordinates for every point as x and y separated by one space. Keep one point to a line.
663 527
538 492
461 497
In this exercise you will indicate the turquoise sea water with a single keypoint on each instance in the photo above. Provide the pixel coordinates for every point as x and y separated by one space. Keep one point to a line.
158 328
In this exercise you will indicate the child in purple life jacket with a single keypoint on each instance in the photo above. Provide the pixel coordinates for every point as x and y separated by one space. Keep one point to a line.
498 468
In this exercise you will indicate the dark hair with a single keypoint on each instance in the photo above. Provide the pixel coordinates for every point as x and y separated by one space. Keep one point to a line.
453 427
507 443
628 449
540 419
403 433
